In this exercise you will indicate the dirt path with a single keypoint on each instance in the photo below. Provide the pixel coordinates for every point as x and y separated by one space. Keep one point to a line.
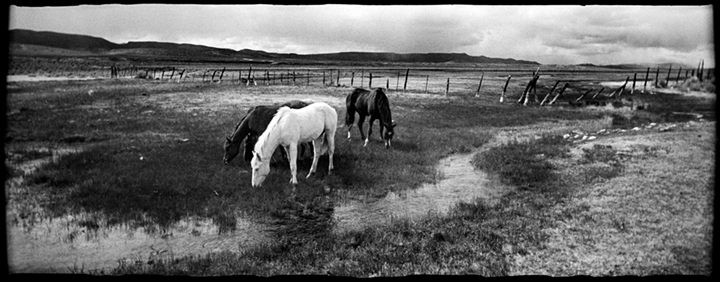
458 181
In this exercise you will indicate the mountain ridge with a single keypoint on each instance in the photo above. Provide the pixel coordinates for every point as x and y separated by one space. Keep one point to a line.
101 47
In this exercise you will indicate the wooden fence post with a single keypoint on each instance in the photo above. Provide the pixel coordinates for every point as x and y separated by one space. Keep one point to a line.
677 79
212 79
406 79
657 73
221 75
531 86
337 81
387 84
477 93
370 83
559 93
620 89
293 77
633 87
447 87
596 94
323 78
352 79
247 83
172 73
702 70
502 96
549 93
647 74
583 95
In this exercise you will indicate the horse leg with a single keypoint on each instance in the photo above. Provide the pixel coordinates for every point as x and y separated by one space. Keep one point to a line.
331 150
349 120
292 151
370 125
317 146
361 120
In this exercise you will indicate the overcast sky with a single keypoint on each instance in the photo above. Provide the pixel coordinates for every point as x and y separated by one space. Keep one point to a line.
545 34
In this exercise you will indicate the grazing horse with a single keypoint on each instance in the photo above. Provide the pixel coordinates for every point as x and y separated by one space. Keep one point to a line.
374 104
290 127
251 126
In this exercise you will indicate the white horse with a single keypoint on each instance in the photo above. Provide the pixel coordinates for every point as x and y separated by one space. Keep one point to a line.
290 127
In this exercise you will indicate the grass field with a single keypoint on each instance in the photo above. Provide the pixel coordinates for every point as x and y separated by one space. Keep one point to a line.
150 156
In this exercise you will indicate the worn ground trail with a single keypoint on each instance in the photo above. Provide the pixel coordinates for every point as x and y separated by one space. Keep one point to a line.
458 181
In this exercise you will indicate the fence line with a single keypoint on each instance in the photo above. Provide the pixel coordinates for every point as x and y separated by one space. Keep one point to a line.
471 79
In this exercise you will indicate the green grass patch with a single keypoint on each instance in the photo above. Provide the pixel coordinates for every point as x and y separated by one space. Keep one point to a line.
524 165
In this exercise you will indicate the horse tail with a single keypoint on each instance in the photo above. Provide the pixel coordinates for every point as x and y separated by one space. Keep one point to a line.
350 107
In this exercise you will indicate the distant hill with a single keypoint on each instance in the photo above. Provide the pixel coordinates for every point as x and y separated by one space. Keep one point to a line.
28 42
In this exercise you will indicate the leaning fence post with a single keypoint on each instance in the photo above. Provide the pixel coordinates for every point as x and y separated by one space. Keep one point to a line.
406 79
633 87
559 93
702 70
219 79
647 74
212 79
502 96
477 93
583 95
596 94
549 93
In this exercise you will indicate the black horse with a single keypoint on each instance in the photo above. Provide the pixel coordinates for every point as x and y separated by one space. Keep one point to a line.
252 126
373 103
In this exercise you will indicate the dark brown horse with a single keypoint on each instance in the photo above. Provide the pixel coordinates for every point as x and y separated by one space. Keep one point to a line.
252 126
373 103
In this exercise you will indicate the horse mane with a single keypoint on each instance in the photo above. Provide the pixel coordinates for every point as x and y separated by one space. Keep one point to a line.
271 126
383 104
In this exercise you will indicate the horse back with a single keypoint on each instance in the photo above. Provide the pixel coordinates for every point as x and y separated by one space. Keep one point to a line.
309 122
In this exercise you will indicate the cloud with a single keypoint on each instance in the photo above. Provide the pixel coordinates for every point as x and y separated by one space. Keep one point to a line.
548 34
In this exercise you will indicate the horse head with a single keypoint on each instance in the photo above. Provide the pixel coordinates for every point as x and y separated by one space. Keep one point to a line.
231 150
260 169
389 133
